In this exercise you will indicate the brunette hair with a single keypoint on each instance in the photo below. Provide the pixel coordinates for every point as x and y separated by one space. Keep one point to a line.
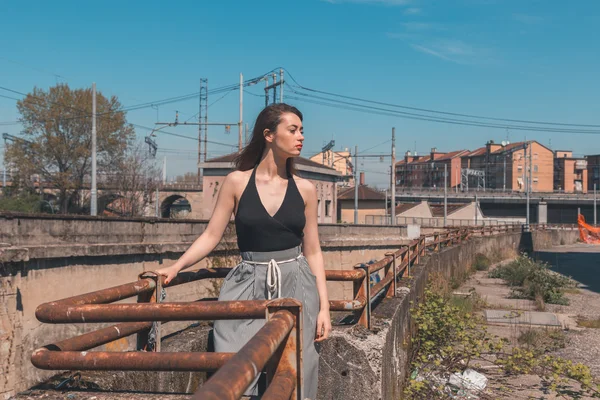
269 118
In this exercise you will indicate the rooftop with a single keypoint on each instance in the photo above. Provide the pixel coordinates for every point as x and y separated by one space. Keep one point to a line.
364 193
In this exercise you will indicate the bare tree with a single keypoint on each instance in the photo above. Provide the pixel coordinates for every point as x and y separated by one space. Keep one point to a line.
132 183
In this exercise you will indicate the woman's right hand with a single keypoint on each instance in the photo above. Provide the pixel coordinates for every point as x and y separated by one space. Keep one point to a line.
169 273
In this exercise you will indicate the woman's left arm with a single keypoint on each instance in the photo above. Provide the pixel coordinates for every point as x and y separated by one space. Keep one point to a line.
314 256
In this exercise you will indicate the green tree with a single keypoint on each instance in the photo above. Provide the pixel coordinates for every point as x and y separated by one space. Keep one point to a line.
58 130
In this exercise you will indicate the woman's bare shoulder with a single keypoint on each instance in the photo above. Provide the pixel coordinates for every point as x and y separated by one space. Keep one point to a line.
307 188
237 177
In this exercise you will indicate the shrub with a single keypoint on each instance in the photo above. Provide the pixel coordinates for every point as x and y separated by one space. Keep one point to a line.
481 262
533 280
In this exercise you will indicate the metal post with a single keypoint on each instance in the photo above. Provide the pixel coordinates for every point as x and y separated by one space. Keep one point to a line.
266 90
355 185
164 171
476 209
156 205
391 292
281 85
274 88
4 172
445 194
386 205
504 182
241 123
246 140
594 203
94 191
393 177
527 187
199 176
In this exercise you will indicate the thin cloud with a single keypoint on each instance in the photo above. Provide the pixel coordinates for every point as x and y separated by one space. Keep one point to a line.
419 26
376 2
412 11
528 19
455 51
431 52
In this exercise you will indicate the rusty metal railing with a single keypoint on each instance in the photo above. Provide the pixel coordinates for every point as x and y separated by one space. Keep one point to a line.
276 347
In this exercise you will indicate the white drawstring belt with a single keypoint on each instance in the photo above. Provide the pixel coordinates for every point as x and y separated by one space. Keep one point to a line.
273 275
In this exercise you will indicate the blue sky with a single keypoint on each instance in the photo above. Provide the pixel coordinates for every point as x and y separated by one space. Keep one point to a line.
519 59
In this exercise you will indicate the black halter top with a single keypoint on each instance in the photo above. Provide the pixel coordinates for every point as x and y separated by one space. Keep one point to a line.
258 231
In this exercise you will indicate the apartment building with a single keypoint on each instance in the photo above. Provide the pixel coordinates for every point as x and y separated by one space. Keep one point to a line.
428 170
570 173
497 166
503 167
593 171
341 161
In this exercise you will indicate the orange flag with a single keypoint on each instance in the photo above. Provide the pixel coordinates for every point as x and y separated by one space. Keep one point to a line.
588 233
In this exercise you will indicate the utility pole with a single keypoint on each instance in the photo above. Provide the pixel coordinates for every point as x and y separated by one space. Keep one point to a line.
241 124
94 191
246 141
476 209
4 135
504 182
445 194
156 204
164 171
274 87
594 204
393 177
202 125
281 88
266 90
386 203
275 84
356 185
527 184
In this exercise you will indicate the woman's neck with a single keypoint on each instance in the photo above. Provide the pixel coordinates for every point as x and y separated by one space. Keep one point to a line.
272 166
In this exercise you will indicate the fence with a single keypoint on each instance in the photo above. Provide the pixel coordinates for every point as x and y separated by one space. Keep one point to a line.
436 222
276 347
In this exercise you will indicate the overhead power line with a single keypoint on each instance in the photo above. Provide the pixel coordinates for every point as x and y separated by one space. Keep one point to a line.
181 136
394 113
437 111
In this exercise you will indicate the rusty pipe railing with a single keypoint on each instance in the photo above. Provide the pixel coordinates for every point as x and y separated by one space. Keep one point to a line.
239 370
276 346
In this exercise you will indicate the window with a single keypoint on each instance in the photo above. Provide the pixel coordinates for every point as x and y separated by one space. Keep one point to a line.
520 168
535 168
535 156
535 180
328 208
318 208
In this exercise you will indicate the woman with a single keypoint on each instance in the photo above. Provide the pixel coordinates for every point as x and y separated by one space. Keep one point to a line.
275 217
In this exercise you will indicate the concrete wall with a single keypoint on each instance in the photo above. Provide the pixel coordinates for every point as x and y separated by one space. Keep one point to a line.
356 363
365 207
421 210
46 258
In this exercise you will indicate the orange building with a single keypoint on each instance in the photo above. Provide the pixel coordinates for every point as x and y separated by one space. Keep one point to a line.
505 167
570 173
593 169
428 171
494 166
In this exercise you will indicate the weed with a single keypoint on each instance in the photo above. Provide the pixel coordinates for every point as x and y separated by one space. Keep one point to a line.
533 280
543 340
481 262
589 323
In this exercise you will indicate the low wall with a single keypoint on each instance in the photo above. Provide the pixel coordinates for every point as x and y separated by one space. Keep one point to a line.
46 258
356 363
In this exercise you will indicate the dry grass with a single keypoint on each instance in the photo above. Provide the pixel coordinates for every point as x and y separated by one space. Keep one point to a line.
589 323
543 340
